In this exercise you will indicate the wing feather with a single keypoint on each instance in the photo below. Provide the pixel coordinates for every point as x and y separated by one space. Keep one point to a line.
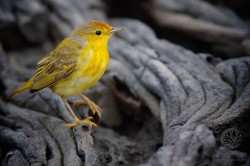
56 66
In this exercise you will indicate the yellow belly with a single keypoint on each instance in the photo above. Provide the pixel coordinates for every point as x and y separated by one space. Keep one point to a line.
83 78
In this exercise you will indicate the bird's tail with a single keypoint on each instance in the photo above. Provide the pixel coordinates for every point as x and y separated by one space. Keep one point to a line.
23 87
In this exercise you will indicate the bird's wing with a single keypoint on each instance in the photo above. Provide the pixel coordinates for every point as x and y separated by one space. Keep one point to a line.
56 66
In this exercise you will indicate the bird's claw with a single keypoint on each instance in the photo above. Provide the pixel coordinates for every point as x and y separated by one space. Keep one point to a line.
87 121
95 109
92 106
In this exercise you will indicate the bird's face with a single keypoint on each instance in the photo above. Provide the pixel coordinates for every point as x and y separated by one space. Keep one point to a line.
96 32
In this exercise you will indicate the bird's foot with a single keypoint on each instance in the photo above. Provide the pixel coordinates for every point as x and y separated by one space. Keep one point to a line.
87 121
92 106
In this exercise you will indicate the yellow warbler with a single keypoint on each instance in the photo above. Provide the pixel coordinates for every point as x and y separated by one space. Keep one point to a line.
76 64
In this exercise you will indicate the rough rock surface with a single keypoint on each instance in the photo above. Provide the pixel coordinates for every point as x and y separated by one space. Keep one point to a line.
162 103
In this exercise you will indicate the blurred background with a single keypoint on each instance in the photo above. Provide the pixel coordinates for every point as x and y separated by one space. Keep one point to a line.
219 27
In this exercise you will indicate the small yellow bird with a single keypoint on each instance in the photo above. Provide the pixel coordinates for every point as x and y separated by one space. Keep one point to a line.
76 64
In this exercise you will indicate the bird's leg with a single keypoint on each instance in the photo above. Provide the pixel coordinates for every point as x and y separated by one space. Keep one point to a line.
93 107
70 109
87 121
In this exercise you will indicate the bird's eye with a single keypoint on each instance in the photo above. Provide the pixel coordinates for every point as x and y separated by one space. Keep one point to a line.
98 32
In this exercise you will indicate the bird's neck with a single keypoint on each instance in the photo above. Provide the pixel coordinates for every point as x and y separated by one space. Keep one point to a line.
98 45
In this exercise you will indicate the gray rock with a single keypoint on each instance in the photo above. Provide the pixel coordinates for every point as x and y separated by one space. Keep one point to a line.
163 104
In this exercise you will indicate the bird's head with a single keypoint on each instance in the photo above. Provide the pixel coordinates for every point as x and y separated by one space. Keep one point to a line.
95 32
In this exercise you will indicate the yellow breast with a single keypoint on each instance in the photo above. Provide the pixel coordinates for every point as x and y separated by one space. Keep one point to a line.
86 74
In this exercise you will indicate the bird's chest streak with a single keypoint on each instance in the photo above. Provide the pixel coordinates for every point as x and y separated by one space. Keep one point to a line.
92 71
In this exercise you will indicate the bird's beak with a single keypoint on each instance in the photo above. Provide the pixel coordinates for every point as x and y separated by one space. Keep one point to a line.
115 29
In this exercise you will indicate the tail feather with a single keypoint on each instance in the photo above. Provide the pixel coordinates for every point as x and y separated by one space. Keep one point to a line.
23 87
